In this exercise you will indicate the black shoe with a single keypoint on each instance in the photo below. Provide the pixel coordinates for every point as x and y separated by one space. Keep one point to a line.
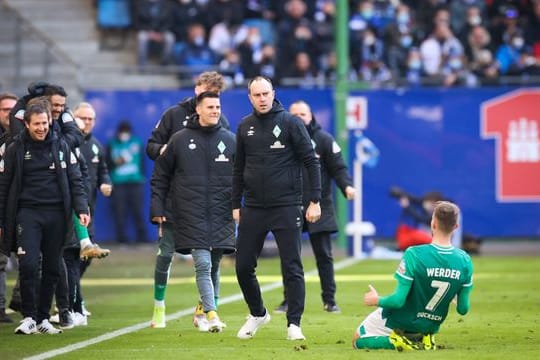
4 318
332 308
282 308
66 322
15 305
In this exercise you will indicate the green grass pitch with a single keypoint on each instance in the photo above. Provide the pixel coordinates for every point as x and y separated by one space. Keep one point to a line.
504 320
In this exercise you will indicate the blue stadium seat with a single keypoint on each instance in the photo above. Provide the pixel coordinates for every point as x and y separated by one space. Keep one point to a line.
113 14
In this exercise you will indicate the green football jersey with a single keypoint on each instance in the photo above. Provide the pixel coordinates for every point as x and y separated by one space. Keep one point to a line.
437 274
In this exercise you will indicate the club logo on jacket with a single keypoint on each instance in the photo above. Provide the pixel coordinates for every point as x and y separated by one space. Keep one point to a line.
27 155
66 117
221 158
277 144
251 131
315 148
192 145
95 150
20 114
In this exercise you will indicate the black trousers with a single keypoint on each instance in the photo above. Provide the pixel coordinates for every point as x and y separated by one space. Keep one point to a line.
127 202
69 283
286 225
321 244
40 233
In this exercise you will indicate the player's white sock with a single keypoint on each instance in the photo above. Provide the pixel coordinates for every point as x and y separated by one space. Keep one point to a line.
85 242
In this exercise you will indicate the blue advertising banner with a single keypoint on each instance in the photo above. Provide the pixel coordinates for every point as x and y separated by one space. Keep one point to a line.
429 139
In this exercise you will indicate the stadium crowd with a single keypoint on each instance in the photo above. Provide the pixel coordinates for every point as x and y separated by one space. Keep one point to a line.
423 42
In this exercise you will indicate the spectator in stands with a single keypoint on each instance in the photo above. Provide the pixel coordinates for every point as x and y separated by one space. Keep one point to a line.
185 13
514 58
466 13
473 17
371 66
257 57
455 72
361 19
153 22
504 24
226 36
480 54
125 162
323 29
302 73
532 30
399 37
428 14
231 68
295 34
435 50
414 67
227 11
196 55
261 9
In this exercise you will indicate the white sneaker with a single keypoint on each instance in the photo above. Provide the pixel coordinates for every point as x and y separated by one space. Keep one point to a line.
46 328
200 322
252 324
27 327
215 325
55 319
79 319
295 333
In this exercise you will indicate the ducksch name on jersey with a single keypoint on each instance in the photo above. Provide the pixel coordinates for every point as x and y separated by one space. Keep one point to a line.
513 121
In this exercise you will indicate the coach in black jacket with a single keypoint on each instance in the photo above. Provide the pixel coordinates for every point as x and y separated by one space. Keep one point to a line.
332 167
40 187
197 168
271 147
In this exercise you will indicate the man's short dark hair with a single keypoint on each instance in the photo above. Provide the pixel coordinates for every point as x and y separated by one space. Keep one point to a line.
205 95
54 89
447 215
36 107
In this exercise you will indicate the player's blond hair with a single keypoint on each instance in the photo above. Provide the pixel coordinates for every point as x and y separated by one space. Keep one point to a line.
212 80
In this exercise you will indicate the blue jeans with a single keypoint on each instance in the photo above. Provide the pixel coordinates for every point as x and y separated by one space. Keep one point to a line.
207 275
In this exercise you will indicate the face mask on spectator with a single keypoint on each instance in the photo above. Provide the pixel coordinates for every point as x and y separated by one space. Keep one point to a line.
415 64
124 136
403 18
406 41
455 63
367 13
517 42
369 40
474 20
255 40
199 40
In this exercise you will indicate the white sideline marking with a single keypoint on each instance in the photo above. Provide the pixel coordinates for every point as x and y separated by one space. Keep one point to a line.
111 335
